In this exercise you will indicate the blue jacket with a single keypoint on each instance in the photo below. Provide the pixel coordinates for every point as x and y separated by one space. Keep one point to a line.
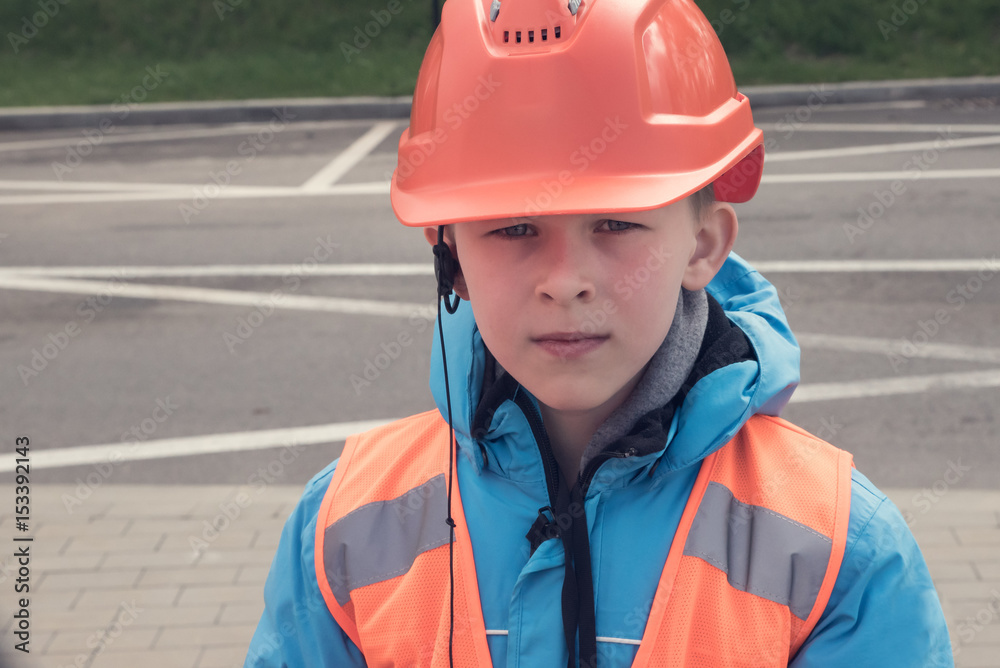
883 611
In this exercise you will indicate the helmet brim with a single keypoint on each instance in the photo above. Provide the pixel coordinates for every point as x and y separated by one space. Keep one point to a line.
736 179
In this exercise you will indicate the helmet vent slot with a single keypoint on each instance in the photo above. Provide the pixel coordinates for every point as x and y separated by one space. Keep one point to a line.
542 35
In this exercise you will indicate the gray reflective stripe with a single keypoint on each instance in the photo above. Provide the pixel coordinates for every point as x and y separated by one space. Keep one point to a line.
381 540
760 551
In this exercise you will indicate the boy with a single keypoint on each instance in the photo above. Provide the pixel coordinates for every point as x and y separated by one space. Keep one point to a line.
620 493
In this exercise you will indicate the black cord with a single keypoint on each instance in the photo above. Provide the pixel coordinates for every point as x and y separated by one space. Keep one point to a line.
445 267
451 464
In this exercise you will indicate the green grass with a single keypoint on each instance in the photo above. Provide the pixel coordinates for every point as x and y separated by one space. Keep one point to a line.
96 51
281 72
942 60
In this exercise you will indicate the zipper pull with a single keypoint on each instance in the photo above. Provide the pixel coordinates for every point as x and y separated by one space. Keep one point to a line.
543 529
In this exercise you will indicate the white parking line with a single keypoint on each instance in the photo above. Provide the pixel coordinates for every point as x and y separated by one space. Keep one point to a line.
336 432
845 177
214 296
880 266
882 387
196 445
357 151
382 188
866 106
876 149
226 270
350 157
859 344
882 127
152 195
185 192
94 186
169 135
420 269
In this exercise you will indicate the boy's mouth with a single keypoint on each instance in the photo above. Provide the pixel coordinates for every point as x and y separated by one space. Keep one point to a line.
569 345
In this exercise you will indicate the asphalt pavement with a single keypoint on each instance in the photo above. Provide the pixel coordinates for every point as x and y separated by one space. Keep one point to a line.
192 312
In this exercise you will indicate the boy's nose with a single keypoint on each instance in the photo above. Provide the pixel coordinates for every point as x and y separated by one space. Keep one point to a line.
566 274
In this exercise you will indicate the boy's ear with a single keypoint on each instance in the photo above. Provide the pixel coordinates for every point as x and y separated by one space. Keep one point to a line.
431 234
715 234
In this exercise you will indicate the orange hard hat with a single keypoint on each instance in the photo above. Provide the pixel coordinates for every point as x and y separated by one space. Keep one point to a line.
531 107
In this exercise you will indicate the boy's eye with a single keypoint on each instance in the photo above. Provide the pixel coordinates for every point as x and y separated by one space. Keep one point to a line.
520 230
618 225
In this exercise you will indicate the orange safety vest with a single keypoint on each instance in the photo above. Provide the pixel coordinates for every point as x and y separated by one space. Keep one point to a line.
748 574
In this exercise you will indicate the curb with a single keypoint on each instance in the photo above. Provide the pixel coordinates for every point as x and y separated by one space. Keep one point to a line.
211 113
356 108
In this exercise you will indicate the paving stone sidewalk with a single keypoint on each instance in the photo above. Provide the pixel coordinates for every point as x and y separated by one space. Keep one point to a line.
137 576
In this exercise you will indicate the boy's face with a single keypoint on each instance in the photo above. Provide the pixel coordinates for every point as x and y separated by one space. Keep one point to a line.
574 306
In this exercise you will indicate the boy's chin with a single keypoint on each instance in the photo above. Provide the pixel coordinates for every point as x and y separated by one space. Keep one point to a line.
576 402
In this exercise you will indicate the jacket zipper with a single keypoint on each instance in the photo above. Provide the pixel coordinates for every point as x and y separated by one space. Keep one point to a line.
588 475
551 469
549 464
549 460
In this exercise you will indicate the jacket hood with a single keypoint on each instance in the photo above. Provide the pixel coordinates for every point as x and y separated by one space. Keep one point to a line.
748 363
